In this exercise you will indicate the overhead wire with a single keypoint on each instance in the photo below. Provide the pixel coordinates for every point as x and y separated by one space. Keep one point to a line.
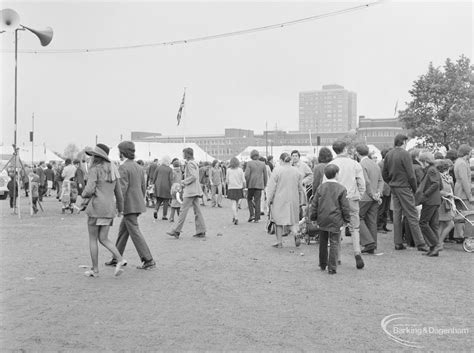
205 38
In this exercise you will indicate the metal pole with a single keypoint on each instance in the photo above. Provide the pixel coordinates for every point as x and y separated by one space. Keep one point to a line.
15 151
33 139
184 116
266 139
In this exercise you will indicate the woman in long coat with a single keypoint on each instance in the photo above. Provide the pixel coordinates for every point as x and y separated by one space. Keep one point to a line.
462 187
285 196
163 179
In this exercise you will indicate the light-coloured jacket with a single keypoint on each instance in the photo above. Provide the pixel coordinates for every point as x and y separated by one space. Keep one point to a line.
192 187
216 176
285 194
306 173
235 178
373 179
106 196
350 176
462 172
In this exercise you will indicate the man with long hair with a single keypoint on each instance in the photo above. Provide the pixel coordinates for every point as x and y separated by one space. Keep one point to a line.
191 195
133 186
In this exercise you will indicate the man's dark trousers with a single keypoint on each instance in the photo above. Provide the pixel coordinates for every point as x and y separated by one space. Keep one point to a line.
129 227
368 222
429 224
253 198
404 202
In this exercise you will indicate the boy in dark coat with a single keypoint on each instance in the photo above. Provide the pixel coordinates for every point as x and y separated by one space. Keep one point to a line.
12 185
330 209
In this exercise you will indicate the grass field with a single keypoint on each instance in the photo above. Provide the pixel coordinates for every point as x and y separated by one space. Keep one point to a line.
231 292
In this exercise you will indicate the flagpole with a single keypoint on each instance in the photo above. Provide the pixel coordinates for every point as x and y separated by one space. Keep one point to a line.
32 138
184 116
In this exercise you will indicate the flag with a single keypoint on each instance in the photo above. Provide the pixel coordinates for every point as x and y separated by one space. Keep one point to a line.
181 107
395 110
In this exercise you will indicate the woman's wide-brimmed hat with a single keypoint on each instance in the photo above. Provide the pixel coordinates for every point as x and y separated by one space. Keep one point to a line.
100 150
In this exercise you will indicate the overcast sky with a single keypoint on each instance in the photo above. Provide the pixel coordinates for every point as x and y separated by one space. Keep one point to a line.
241 82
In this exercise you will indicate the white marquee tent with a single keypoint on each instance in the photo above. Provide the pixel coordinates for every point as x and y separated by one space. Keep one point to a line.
148 151
40 153
306 152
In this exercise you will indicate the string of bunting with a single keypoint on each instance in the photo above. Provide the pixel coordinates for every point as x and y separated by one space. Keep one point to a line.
209 37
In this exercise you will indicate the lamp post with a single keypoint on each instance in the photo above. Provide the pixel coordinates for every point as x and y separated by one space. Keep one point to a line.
10 21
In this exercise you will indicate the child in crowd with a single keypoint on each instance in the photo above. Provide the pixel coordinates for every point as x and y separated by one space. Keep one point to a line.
176 197
330 209
12 185
34 184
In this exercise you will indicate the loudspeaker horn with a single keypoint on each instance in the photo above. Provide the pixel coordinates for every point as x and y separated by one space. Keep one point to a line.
45 35
10 20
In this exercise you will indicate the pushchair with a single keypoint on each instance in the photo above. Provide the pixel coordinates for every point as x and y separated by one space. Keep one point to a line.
464 214
150 196
69 195
308 229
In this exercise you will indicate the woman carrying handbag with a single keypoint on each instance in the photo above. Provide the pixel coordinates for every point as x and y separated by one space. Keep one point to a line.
285 197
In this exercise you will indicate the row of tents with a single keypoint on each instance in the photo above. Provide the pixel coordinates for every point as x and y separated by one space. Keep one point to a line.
148 151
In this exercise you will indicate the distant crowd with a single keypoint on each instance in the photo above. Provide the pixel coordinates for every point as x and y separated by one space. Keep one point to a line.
351 193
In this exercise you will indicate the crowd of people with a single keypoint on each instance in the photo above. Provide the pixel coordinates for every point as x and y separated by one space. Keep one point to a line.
63 180
345 192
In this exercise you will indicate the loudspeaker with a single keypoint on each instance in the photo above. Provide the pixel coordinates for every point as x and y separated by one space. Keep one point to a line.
9 20
45 36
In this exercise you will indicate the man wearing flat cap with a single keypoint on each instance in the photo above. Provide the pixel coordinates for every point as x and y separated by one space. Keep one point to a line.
132 182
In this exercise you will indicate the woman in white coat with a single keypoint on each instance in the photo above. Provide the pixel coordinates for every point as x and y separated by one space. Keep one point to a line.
285 197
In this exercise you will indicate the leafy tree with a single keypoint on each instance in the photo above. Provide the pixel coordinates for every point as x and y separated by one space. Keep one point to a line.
353 139
442 109
71 151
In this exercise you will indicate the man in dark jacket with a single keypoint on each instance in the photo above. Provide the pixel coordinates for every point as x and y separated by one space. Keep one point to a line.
49 174
256 179
384 208
151 171
132 182
399 175
79 176
43 185
162 179
429 196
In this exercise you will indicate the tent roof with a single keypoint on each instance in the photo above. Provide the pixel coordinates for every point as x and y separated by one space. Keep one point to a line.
306 152
148 151
41 153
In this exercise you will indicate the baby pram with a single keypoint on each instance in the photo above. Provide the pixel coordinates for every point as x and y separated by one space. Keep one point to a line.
69 195
308 229
464 214
150 196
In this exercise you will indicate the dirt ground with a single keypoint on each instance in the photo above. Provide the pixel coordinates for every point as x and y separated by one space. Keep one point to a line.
231 292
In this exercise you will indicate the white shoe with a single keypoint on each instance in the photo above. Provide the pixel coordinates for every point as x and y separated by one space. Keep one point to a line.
91 273
118 267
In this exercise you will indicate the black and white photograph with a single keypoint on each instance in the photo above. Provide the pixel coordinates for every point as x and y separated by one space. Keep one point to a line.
236 176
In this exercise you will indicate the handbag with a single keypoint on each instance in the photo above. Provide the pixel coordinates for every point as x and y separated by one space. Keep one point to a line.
271 227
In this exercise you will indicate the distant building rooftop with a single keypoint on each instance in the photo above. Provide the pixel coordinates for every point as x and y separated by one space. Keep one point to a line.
333 86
